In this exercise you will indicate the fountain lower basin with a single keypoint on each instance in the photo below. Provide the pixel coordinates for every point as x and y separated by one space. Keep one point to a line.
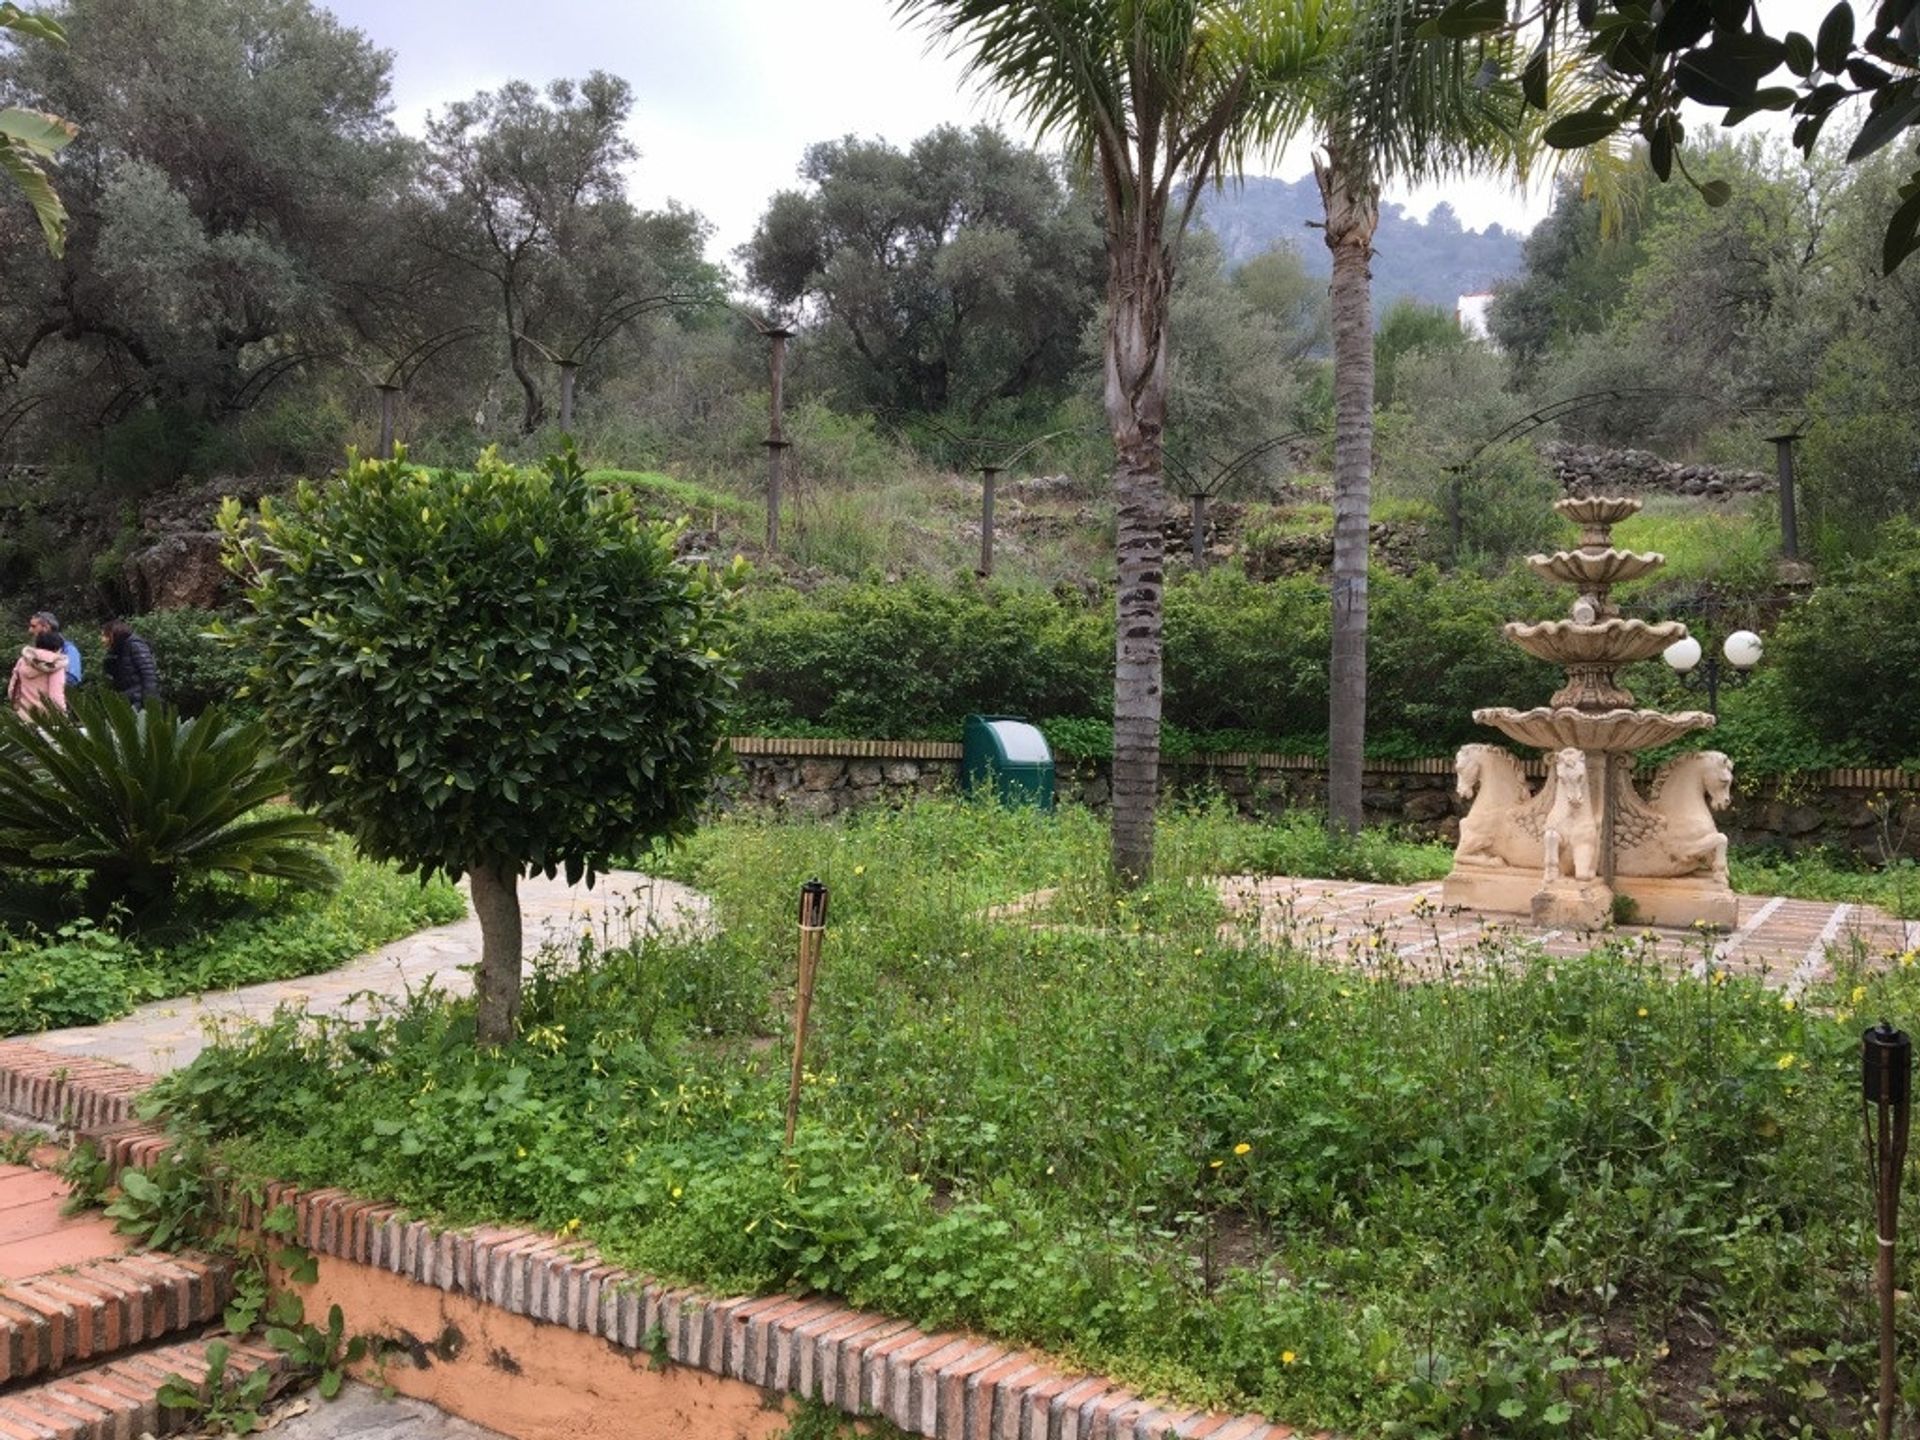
1562 727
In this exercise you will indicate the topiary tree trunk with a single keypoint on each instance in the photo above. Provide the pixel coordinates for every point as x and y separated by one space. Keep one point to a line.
496 903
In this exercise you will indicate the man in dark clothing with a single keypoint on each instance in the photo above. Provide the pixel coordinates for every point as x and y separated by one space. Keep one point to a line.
129 664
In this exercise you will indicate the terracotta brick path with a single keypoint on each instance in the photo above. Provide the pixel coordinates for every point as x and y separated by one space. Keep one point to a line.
35 1236
1788 943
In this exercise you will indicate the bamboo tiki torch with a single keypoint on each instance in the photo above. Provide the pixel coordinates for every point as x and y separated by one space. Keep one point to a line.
1886 1072
813 926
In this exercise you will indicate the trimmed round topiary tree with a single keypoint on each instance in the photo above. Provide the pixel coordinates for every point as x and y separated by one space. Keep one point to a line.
483 672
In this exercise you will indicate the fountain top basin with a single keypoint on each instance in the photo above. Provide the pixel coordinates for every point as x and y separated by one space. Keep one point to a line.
1563 727
1594 510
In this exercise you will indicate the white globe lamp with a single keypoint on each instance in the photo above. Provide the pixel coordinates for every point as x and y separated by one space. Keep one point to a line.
1683 654
1743 649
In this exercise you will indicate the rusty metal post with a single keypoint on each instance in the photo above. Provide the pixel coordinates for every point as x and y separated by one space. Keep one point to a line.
1886 1081
776 441
388 403
1789 520
988 475
813 926
568 369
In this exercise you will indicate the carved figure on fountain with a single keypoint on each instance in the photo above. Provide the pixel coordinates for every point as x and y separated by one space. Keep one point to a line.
1673 832
1571 837
1504 824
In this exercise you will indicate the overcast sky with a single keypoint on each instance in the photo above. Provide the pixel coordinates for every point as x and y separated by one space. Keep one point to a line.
728 93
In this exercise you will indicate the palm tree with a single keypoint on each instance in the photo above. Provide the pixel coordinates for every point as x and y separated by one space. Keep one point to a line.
1390 105
1159 98
30 138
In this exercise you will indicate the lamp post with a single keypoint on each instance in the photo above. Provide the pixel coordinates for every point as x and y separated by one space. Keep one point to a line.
1783 467
1700 668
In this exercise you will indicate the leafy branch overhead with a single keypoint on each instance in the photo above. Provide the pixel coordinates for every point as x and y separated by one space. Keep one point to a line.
1647 60
31 138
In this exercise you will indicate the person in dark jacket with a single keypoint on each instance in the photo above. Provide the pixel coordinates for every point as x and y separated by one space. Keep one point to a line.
129 664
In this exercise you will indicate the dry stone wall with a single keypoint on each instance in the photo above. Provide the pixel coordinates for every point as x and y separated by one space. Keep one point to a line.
1872 813
1597 470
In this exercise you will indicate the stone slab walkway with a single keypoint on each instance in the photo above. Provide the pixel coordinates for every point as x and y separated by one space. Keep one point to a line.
170 1033
1786 943
361 1414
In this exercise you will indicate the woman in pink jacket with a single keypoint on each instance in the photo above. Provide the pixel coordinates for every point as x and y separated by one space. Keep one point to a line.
39 678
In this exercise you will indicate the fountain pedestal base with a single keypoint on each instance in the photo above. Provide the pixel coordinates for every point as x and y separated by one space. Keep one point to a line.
1679 900
1568 904
1657 900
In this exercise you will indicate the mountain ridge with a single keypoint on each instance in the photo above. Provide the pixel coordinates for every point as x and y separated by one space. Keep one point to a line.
1434 261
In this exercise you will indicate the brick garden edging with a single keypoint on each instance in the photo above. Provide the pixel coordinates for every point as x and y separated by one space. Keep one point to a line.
944 1385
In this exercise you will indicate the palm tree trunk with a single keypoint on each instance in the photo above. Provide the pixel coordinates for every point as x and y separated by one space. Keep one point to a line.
1140 281
496 903
1352 209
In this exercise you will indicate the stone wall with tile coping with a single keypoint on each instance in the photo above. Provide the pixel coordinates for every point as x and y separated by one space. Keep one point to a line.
1843 808
946 1385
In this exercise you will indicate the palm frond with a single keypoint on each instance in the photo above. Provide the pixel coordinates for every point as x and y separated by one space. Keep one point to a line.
148 799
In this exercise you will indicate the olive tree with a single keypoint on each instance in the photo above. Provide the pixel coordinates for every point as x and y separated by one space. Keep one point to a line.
484 672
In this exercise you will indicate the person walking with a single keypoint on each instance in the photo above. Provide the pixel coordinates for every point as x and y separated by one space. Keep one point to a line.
44 622
38 681
130 666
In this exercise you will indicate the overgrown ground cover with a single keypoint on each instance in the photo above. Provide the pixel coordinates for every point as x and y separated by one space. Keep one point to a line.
1570 1198
58 967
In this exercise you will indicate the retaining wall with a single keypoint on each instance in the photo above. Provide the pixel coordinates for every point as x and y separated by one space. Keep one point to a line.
1871 812
537 1336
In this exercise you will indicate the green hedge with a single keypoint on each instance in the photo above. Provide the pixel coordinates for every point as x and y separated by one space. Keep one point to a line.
909 660
1244 659
1246 664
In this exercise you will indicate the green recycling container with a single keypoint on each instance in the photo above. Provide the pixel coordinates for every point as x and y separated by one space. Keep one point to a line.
1004 756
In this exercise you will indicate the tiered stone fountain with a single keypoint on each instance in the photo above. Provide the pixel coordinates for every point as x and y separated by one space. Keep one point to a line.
1563 853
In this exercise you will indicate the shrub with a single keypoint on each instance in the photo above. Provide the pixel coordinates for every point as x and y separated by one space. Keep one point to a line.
913 659
143 801
1858 637
477 672
1242 657
197 667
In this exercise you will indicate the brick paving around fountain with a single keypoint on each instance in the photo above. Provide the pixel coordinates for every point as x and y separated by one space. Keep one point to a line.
1788 944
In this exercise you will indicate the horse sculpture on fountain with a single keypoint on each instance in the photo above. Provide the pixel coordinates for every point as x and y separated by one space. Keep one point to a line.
1673 832
1571 836
1503 826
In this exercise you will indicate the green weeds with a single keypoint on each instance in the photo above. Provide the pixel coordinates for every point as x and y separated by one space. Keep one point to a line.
75 971
1585 1197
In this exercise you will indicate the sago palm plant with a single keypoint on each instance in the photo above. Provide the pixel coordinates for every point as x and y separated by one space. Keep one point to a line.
143 801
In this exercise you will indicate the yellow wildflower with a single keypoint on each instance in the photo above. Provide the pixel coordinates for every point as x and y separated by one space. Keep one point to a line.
1242 1148
1287 1357
1643 1012
1859 993
1785 1062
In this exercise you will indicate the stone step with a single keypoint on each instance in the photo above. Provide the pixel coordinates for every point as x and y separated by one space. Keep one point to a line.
52 1322
119 1399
